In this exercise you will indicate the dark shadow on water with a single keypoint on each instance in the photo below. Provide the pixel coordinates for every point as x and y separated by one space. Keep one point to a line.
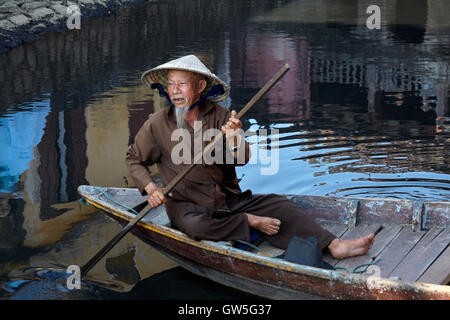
172 284
178 284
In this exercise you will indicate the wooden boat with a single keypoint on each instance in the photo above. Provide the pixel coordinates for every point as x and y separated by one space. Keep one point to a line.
412 249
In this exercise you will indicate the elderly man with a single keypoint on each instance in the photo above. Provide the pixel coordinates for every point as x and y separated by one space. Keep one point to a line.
208 203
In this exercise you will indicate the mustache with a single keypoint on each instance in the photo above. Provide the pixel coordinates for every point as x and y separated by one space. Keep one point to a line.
180 97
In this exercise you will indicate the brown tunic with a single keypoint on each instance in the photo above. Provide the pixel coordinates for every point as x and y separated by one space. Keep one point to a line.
208 202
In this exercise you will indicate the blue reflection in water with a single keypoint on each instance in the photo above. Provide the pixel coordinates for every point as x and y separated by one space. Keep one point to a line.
323 163
20 133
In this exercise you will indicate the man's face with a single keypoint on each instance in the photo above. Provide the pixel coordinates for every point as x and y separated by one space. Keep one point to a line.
184 88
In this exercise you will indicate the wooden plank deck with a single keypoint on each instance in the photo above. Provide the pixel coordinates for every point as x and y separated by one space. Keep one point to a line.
423 255
411 256
268 250
397 249
439 271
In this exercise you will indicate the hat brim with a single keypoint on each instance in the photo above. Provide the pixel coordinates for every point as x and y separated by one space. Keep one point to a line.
160 75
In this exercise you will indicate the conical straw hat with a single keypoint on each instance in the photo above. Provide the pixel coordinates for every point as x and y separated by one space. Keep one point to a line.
187 63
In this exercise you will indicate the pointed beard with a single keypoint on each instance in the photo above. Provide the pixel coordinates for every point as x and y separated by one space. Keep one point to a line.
180 114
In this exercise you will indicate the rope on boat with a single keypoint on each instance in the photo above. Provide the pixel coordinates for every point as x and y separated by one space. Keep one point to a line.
355 269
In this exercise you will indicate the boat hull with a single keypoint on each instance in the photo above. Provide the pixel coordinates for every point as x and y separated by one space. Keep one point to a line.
252 273
268 280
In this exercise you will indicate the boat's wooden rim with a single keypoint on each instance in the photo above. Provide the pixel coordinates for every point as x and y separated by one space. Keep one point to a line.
220 248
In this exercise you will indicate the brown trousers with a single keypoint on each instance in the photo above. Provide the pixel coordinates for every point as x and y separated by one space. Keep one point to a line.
226 225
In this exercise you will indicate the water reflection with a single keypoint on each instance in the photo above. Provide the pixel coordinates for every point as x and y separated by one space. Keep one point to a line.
20 132
361 113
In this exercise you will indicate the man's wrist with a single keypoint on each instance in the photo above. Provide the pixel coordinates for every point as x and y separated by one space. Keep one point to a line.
150 188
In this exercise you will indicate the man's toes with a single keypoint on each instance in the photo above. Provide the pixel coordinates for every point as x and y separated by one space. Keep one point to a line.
276 227
276 223
370 240
273 229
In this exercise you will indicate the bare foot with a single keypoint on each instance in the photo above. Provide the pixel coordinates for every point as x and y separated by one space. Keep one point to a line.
266 225
341 249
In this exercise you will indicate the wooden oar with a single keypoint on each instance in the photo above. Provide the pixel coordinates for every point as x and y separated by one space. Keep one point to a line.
93 261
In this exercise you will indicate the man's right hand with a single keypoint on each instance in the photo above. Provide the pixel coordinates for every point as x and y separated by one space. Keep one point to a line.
155 195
